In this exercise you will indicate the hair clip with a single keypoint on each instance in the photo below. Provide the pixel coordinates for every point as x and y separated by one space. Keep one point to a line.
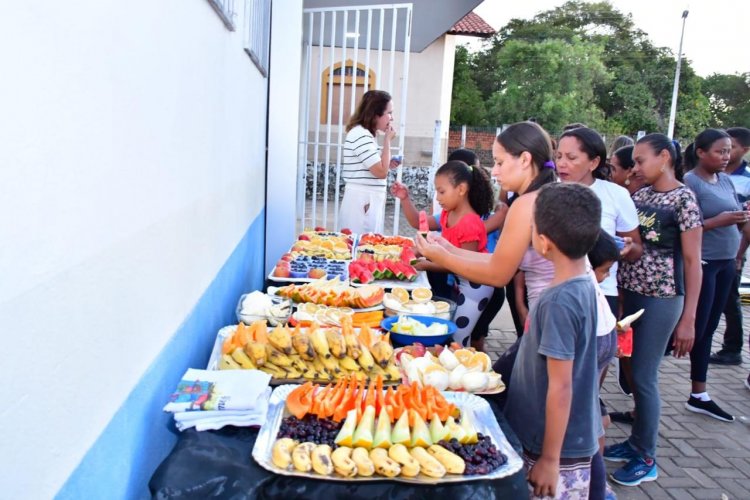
549 164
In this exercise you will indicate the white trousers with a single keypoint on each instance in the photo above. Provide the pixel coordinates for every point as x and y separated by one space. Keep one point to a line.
363 209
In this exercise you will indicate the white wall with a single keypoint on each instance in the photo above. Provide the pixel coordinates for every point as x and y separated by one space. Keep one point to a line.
283 126
131 163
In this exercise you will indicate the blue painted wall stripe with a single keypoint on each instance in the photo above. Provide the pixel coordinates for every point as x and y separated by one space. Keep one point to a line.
140 435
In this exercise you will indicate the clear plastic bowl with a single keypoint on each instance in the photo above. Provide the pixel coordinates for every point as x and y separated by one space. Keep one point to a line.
444 315
273 320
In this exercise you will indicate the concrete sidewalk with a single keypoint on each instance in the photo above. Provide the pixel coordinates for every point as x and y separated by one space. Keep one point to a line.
698 457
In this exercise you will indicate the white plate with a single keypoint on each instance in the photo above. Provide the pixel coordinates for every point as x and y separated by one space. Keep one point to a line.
484 421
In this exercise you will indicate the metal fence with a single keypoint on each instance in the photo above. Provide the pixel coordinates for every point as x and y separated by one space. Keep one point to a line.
337 66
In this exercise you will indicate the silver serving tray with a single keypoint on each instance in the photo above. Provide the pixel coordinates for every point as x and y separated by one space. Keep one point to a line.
484 421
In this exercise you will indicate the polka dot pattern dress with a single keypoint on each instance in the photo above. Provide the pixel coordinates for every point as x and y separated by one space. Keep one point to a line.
472 300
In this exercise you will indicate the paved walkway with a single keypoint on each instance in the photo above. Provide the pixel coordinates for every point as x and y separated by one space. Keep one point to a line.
699 457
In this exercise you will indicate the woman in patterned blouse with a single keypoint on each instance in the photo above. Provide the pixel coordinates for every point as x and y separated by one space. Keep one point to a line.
665 282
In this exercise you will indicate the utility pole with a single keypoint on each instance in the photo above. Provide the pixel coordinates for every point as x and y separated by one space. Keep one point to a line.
673 111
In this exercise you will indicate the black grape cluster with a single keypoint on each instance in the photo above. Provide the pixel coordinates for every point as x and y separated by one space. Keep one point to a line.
481 458
309 428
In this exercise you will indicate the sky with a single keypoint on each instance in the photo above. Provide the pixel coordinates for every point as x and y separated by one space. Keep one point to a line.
717 32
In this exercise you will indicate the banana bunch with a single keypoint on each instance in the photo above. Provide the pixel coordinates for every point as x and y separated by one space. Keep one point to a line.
398 460
315 354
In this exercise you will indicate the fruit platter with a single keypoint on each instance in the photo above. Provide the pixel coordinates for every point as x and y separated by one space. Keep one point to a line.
305 268
451 368
315 254
383 253
302 354
332 292
308 313
322 243
379 239
357 431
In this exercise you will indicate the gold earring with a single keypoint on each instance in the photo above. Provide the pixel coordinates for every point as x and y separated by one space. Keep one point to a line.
663 168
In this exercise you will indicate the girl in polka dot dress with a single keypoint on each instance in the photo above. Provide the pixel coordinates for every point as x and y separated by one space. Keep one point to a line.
465 194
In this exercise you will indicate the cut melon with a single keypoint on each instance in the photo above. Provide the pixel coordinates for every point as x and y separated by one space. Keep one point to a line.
400 434
420 435
455 430
363 434
382 437
467 424
438 431
346 434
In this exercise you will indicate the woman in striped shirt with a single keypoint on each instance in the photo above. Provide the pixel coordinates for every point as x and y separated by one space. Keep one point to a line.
365 167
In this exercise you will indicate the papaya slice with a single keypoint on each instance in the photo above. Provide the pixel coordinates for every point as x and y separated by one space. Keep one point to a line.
317 403
261 331
299 401
359 400
365 335
334 398
379 396
340 410
370 397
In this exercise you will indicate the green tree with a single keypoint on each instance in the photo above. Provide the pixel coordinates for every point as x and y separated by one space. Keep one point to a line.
467 103
552 81
729 98
635 95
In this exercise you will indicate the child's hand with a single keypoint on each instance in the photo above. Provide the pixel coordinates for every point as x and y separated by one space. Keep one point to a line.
628 246
431 247
399 191
543 477
422 265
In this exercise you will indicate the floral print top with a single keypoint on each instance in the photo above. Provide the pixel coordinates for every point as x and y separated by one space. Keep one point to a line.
662 217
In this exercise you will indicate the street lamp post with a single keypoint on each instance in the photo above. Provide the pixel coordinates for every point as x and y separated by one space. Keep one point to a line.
673 111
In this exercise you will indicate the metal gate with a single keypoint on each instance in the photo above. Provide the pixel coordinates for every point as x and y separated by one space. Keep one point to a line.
347 51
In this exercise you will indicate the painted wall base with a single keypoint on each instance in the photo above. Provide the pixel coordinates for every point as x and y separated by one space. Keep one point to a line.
141 435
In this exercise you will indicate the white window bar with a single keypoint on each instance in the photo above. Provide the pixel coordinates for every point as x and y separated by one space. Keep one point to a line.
380 50
316 158
304 128
329 120
402 114
226 12
258 36
342 91
367 50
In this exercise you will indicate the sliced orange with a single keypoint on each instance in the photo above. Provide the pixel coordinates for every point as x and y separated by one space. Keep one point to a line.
421 295
402 295
442 307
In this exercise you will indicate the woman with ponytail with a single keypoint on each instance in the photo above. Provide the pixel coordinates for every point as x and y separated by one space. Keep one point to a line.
722 246
665 282
523 164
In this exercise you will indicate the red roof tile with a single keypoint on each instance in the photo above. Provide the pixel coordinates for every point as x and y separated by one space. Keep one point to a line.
472 25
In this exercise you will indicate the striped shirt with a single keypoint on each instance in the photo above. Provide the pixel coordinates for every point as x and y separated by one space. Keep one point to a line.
360 153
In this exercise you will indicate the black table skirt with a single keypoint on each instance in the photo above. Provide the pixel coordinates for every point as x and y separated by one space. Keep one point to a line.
218 464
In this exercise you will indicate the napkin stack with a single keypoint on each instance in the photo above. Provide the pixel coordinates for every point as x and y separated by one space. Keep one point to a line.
211 399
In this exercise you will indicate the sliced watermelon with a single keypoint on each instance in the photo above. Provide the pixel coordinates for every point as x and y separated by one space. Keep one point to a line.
410 273
398 270
367 277
408 256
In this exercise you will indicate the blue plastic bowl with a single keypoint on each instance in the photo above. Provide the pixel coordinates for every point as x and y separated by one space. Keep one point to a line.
403 339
